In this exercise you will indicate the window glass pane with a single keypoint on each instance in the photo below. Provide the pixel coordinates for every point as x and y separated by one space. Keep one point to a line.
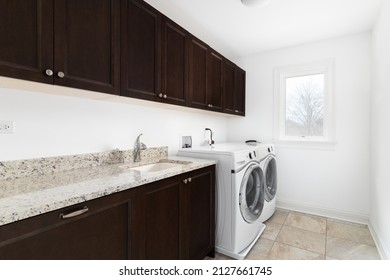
305 105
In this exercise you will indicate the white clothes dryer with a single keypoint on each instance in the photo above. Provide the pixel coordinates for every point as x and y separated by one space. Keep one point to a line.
240 195
268 164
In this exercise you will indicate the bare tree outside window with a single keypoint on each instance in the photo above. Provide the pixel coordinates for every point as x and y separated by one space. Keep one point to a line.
305 105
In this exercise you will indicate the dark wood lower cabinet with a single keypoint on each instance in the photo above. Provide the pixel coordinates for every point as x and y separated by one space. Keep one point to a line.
178 217
167 219
197 218
104 231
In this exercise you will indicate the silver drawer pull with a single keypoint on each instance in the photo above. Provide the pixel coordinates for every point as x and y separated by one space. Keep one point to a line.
74 214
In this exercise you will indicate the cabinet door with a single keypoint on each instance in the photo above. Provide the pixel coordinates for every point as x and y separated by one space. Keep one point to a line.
87 44
239 91
174 63
198 212
214 81
104 231
140 46
197 72
160 223
26 39
228 87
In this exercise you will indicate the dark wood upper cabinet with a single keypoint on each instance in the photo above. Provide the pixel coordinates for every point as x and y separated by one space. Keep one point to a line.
197 73
239 91
26 39
228 86
80 48
87 44
233 89
121 47
154 55
174 56
214 81
140 47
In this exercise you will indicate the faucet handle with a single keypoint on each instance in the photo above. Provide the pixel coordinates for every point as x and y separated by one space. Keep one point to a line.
143 146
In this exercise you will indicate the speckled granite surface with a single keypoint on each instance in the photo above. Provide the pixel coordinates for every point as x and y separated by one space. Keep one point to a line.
10 170
30 195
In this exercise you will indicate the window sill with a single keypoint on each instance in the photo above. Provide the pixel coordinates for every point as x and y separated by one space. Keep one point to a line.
306 144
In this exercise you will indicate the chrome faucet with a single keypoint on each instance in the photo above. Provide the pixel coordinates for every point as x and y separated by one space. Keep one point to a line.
211 141
138 146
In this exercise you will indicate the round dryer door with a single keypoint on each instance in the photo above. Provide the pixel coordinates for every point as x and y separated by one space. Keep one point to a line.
252 193
270 178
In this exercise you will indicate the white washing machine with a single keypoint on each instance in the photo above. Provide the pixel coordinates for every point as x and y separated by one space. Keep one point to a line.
268 164
240 195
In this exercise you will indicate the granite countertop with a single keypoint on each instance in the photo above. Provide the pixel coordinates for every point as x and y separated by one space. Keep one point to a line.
28 196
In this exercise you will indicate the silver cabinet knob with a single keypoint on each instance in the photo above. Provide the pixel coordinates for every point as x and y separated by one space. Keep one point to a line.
160 95
61 74
49 72
189 180
165 96
185 181
236 111
211 105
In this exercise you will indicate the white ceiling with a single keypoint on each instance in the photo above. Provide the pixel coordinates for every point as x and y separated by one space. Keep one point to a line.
237 30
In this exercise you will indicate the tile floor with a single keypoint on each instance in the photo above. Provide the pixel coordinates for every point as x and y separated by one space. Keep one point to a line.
299 236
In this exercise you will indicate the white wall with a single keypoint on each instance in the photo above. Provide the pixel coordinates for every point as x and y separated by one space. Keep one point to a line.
380 131
323 181
52 125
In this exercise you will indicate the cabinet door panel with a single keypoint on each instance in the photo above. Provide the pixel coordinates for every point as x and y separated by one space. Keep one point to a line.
87 44
214 81
198 53
140 41
160 205
198 224
239 92
105 231
228 87
26 39
174 62
76 241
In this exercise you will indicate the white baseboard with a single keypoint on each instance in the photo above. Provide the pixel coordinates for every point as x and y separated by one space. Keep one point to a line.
325 212
383 252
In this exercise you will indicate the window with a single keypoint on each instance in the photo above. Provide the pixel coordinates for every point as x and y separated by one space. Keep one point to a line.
303 103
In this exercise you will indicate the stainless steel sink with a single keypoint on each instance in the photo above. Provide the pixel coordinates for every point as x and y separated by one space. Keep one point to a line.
156 167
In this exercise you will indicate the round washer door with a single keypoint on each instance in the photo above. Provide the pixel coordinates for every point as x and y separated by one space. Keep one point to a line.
271 181
252 193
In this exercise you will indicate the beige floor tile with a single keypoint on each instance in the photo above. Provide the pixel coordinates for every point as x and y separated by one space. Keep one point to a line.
260 250
348 250
271 231
354 232
303 239
278 217
281 251
307 222
219 256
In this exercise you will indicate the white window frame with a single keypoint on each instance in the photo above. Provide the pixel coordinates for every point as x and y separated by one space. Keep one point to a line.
280 76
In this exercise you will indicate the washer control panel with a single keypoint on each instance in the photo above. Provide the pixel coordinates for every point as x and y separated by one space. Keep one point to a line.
244 157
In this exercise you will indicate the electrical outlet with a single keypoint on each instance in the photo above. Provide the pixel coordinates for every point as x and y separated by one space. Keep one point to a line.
6 127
